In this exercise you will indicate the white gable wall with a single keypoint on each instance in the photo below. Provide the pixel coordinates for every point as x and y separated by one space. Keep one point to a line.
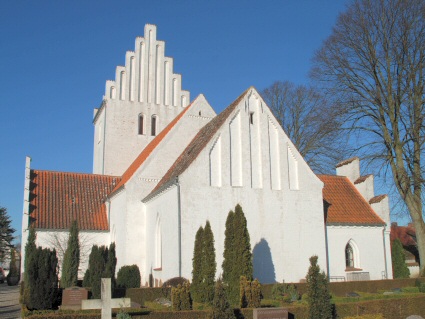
286 226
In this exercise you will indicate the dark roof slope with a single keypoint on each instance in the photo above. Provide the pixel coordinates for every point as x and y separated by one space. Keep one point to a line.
347 205
58 198
197 144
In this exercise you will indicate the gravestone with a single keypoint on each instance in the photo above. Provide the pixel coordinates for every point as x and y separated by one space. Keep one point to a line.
270 313
106 303
72 298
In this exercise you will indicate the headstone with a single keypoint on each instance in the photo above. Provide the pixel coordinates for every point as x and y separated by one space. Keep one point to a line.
414 317
72 298
106 303
270 313
353 294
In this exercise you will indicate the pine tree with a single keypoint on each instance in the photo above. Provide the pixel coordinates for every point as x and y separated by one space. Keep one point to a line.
221 306
71 259
209 265
197 272
319 299
400 269
29 265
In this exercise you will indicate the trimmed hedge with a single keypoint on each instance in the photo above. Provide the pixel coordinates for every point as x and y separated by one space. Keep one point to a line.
342 288
128 277
140 295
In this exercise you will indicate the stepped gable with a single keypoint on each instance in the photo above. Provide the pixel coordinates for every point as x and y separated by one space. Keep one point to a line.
58 198
197 145
147 75
346 205
148 150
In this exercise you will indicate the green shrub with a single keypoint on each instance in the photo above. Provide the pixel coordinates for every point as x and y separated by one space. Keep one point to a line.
250 293
181 298
319 298
13 269
128 277
221 306
278 291
71 259
400 269
410 289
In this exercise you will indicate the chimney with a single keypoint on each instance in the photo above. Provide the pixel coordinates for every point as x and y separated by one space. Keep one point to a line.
349 168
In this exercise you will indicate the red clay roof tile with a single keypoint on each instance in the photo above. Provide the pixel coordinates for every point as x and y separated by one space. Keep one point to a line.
347 161
347 205
58 198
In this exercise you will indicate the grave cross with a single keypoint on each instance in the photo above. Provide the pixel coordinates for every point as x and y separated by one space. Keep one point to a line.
106 303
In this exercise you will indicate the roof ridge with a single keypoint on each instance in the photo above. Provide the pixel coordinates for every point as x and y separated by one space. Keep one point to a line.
77 173
198 143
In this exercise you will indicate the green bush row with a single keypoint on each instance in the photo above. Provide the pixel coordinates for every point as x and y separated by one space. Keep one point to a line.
342 288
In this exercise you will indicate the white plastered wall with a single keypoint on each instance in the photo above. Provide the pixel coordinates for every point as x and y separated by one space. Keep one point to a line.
369 243
286 226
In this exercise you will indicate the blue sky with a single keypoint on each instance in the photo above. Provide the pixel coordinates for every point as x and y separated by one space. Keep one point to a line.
55 57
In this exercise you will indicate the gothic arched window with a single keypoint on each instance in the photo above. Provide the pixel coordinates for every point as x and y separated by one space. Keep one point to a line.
154 123
141 124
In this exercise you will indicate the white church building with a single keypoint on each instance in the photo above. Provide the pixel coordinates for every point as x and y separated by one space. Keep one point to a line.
163 165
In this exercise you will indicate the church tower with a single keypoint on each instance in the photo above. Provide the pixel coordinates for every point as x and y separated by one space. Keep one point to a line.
143 99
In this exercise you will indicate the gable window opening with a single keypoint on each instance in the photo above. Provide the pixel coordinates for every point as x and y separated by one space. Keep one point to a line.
141 124
153 125
251 118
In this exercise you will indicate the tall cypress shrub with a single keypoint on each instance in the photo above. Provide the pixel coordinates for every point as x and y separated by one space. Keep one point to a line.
400 269
196 286
29 267
319 298
71 259
229 252
209 265
97 262
237 254
111 264
242 245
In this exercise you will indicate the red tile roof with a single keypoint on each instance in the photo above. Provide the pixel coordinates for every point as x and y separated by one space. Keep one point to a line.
148 150
361 179
197 144
58 198
347 205
377 199
406 234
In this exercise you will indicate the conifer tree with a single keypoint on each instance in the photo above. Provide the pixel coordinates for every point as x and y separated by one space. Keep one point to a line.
400 269
319 299
209 265
229 253
30 251
111 263
71 259
221 306
196 286
242 245
237 254
97 262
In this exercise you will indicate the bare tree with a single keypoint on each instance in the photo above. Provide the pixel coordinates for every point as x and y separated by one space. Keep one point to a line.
311 122
374 64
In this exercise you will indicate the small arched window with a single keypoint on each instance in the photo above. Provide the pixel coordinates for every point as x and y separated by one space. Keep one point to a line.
154 124
141 124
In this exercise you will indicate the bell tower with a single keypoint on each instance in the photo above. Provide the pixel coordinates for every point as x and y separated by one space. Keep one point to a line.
145 96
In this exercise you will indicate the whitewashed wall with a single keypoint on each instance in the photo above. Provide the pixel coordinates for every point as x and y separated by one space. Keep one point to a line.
369 241
286 226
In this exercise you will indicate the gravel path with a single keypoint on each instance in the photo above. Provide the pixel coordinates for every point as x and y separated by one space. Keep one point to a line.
9 302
